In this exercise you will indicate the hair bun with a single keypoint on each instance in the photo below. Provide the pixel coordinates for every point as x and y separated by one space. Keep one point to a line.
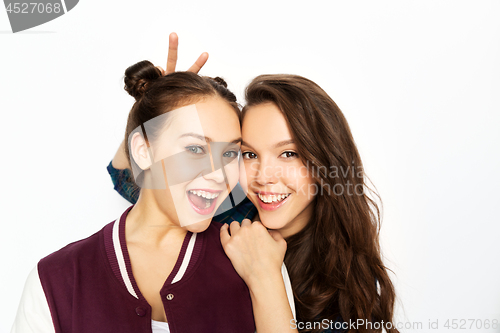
139 76
219 80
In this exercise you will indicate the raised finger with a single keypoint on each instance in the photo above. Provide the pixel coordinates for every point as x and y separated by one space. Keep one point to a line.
161 70
173 42
199 63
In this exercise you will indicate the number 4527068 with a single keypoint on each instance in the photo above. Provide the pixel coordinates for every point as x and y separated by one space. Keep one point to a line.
463 324
33 7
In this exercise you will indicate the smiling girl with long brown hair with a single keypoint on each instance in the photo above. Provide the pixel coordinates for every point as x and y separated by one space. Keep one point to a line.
305 177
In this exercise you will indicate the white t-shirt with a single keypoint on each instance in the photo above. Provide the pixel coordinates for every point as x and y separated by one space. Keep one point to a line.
159 327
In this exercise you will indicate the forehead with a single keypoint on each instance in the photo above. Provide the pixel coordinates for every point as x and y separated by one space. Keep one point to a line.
212 117
264 123
218 119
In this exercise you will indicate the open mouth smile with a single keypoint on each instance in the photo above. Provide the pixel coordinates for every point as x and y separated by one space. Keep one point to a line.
203 201
272 201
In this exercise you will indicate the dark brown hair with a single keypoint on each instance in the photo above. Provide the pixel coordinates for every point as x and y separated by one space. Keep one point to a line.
156 94
334 263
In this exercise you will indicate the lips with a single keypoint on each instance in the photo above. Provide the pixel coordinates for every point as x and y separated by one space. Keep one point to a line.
203 201
272 201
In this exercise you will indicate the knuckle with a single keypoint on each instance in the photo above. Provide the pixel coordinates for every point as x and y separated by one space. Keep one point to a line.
257 224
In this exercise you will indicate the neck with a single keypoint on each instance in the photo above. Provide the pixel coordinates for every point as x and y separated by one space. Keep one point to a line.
288 231
147 223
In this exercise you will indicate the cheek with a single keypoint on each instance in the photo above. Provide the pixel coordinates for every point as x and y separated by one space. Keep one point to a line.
166 201
299 181
310 190
232 173
309 186
177 198
247 174
295 177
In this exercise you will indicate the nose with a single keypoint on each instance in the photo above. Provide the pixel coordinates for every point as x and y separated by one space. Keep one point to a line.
217 176
266 174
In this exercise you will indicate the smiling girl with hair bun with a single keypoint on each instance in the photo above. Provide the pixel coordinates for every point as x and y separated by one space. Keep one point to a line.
160 266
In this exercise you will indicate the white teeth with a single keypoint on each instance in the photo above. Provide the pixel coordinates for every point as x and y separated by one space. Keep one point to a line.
272 198
206 195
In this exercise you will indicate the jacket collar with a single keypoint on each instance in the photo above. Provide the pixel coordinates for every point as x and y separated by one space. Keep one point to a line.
119 260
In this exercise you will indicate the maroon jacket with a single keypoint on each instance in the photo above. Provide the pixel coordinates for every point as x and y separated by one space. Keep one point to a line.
90 288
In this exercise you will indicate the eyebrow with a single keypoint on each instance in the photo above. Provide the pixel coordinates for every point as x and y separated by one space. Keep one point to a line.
205 138
277 145
283 143
197 136
243 143
236 140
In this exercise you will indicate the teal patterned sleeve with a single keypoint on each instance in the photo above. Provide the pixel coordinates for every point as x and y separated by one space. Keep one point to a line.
124 183
244 210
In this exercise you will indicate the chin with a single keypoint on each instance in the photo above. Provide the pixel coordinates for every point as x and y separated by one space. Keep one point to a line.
198 226
270 222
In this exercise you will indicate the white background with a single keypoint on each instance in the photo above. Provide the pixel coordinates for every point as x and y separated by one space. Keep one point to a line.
418 81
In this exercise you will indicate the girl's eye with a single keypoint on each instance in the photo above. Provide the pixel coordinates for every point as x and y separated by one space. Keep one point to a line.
230 154
195 149
289 154
248 155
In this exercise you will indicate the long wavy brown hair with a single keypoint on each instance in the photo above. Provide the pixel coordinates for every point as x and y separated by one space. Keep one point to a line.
334 263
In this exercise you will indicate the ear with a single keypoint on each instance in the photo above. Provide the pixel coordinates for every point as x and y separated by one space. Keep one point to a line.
139 151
